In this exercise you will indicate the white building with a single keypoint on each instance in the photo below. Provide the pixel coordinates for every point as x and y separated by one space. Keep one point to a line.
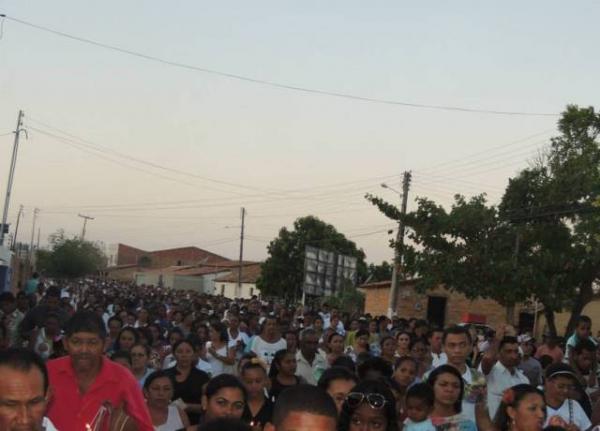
227 285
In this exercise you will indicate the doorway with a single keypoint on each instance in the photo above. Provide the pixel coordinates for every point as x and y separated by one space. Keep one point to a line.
436 310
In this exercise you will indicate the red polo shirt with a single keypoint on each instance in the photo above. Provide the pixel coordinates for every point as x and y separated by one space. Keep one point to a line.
71 411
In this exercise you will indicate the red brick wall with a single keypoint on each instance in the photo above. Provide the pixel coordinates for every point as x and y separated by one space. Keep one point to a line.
127 255
162 258
182 256
412 304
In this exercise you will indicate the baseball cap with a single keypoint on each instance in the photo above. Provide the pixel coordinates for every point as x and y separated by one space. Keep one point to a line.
559 369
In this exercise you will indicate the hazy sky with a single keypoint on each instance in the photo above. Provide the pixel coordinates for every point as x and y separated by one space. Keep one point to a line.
281 154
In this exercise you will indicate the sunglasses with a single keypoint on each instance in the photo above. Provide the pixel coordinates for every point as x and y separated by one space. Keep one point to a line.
375 401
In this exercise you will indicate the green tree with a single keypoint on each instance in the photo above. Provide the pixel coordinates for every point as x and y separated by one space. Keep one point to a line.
542 240
70 258
282 272
381 272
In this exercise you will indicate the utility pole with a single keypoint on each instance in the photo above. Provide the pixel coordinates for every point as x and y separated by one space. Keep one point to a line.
11 175
30 258
37 247
14 242
398 249
239 284
85 220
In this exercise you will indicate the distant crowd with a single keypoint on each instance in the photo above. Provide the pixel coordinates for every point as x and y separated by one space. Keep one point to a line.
97 355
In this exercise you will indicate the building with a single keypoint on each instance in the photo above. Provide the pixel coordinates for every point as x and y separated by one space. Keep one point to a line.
200 277
227 285
121 254
440 306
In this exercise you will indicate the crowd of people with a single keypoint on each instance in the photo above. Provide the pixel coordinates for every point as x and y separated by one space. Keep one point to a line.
97 355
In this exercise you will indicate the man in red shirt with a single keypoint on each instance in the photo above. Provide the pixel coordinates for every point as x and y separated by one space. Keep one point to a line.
86 386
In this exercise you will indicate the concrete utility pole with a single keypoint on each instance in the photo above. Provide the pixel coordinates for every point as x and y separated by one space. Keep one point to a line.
11 175
85 220
239 284
392 303
14 242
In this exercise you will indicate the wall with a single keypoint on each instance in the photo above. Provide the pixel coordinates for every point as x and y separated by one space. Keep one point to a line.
228 290
562 319
412 304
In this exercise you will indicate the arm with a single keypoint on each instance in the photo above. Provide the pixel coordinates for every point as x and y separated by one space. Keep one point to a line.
482 416
490 357
184 417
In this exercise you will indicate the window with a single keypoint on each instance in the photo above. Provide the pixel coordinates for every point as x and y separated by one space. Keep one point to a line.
222 290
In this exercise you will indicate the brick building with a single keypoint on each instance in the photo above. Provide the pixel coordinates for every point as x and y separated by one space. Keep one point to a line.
440 306
121 254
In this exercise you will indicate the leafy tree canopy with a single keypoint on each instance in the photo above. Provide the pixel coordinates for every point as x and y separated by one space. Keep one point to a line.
540 242
283 271
70 258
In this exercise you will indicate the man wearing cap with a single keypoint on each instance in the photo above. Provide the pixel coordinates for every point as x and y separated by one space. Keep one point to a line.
560 382
530 366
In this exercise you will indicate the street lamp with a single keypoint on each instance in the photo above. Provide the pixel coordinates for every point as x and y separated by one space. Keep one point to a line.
385 186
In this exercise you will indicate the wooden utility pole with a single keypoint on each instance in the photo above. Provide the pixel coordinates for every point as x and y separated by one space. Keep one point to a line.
13 246
399 246
239 284
85 220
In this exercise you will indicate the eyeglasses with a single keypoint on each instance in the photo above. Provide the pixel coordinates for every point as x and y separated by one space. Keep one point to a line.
375 401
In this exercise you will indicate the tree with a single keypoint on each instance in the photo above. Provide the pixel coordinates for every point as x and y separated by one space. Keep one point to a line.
70 258
541 242
381 272
555 204
282 272
468 249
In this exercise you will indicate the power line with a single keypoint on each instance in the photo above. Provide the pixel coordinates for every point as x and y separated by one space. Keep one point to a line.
274 83
487 151
146 162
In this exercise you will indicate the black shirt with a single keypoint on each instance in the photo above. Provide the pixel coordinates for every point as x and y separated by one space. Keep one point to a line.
277 387
262 417
190 390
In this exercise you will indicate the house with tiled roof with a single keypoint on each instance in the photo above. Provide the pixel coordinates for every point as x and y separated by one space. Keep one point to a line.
228 285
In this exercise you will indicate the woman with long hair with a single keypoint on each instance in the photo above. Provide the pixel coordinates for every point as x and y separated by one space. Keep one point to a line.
218 354
403 339
127 338
158 391
448 389
187 379
369 405
224 397
522 409
405 374
283 373
335 347
388 349
259 408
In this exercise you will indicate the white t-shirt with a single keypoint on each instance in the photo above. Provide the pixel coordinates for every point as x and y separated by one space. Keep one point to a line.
574 415
266 351
217 367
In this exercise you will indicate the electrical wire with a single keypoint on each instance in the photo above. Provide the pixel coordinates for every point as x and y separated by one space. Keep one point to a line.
146 162
275 84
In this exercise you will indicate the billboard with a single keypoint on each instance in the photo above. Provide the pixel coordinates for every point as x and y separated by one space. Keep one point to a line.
326 272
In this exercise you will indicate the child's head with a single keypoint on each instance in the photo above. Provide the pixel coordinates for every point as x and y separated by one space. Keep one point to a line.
584 327
254 377
419 402
406 371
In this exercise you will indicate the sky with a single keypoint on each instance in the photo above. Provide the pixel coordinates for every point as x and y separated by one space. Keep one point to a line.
163 156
